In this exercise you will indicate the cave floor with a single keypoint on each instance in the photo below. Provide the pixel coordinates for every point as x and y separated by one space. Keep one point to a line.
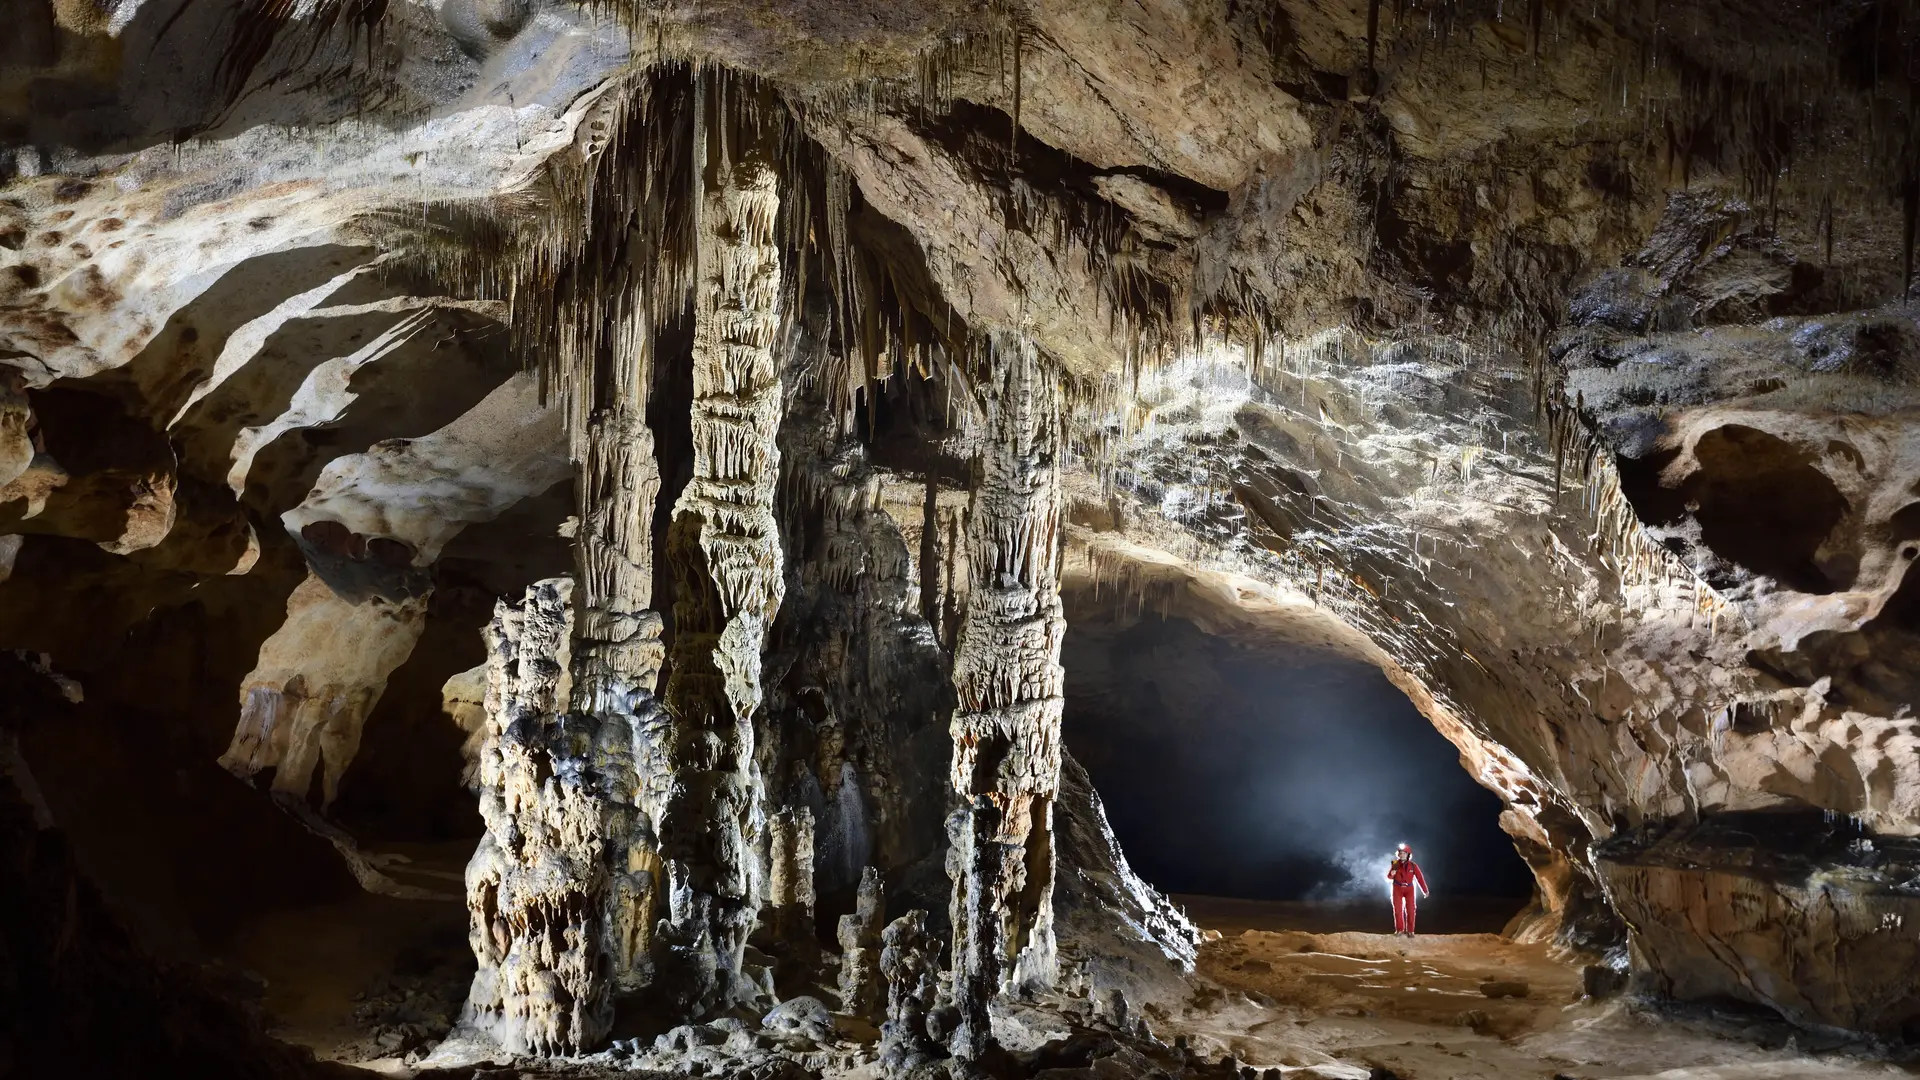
1351 1004
372 977
1279 985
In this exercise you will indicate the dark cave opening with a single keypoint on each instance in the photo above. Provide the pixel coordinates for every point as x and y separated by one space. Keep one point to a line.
1286 773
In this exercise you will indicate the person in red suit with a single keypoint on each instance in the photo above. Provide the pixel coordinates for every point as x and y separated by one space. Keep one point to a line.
1405 875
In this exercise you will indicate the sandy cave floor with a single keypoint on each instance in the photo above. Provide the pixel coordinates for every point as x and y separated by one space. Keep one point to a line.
370 979
1283 986
1350 1003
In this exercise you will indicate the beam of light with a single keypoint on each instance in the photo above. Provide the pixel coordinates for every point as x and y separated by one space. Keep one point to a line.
1365 868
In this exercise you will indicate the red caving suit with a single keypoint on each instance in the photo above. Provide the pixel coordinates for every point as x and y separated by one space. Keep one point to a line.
1405 874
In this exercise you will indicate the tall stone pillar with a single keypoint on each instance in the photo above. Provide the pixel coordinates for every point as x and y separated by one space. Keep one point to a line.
1007 676
617 660
724 548
574 767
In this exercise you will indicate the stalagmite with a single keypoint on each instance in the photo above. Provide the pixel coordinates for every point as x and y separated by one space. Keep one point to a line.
573 769
724 546
790 894
861 990
1007 676
537 885
910 962
617 658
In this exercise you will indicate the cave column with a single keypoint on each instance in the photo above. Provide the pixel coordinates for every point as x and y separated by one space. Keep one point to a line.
573 770
1009 684
724 550
618 655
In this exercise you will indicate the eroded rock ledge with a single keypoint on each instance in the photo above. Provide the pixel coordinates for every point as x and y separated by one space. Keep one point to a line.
1762 892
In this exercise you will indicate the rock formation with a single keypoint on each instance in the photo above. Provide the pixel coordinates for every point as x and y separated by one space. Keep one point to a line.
862 991
790 897
537 888
724 547
1559 361
305 703
617 657
909 961
1007 676
1807 894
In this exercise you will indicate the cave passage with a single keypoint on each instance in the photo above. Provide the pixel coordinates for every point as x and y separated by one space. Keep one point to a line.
1282 773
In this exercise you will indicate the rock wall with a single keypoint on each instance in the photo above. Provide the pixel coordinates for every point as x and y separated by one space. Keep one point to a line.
1727 906
307 700
81 994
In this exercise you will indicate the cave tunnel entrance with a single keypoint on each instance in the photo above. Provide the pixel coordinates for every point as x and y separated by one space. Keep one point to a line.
1273 781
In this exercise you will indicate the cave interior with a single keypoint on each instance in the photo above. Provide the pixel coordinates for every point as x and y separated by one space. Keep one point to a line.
804 539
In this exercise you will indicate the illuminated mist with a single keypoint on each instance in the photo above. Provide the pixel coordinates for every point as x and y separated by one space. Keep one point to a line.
1278 775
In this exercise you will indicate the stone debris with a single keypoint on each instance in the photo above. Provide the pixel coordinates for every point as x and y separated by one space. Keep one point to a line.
1505 988
403 1016
802 1018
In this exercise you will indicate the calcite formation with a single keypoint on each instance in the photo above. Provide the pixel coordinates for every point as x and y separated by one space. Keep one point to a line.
910 962
538 887
724 547
790 894
1007 677
617 657
862 990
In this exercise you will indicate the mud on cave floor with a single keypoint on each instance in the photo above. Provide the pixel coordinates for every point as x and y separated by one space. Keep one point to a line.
369 979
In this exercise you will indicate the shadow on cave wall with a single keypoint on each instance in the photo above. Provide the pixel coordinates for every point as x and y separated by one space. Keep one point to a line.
1273 774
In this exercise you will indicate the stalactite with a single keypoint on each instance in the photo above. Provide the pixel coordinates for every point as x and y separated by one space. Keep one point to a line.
1007 675
724 546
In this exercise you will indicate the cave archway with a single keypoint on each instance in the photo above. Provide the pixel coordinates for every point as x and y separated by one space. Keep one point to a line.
1271 779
